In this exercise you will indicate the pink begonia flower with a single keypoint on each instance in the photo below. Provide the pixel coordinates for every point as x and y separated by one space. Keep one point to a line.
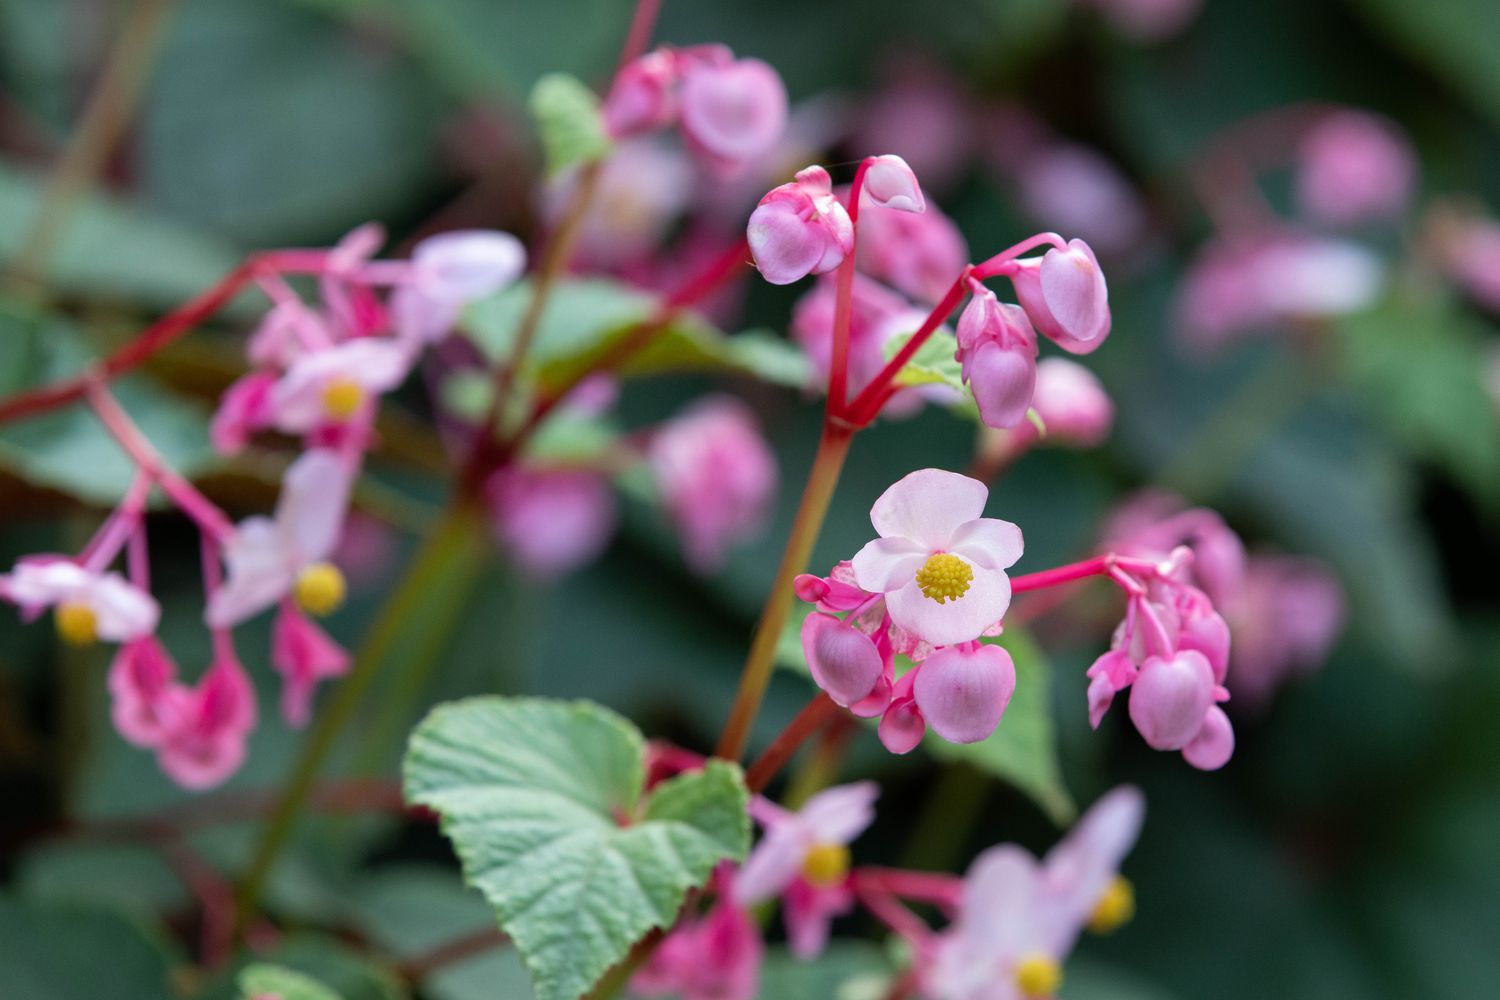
1354 166
285 334
1148 20
1170 697
1073 189
964 690
1212 747
1019 917
713 957
304 655
1234 289
1064 293
204 742
642 189
1285 620
449 271
89 605
1072 403
800 228
1152 523
939 563
716 475
920 254
890 183
644 95
267 557
551 522
244 409
997 349
843 660
140 675
731 113
803 857
331 386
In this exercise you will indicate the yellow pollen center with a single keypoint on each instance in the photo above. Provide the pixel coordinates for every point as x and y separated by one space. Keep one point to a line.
342 397
77 623
1038 976
320 588
1115 907
826 864
945 577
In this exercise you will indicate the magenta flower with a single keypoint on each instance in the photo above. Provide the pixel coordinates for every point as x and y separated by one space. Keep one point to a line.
940 565
269 558
244 409
804 858
448 271
139 676
304 655
997 349
644 95
204 741
800 228
713 957
1020 918
88 604
716 475
1354 166
551 522
1064 293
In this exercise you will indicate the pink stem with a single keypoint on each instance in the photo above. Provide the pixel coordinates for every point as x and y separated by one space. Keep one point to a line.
889 911
996 265
866 405
139 561
1097 566
118 527
838 379
642 24
937 888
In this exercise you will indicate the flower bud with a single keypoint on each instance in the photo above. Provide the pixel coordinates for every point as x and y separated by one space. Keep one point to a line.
902 726
964 692
1214 744
1170 697
843 660
1072 403
800 229
1065 295
732 113
890 183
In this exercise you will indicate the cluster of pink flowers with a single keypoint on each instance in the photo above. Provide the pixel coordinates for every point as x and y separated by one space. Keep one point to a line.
1011 921
318 371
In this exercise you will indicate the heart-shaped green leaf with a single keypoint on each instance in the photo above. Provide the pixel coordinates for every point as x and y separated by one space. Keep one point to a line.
542 800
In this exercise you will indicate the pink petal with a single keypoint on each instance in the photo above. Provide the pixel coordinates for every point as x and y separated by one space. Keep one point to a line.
313 503
963 693
786 246
244 409
926 506
772 864
467 264
844 661
837 815
1072 403
890 183
122 611
304 655
139 676
1170 697
1080 867
808 911
1003 382
887 564
1214 744
902 726
735 112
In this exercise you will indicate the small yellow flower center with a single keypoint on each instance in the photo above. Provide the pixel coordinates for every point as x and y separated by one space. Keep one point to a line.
1038 976
1115 907
342 398
77 623
945 577
826 864
320 588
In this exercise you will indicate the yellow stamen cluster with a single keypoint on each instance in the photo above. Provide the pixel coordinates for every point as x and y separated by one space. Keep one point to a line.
1115 907
342 398
945 577
320 588
76 623
826 864
1038 976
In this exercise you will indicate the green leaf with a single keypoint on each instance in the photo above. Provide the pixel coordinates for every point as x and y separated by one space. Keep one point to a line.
585 318
533 794
1455 39
73 953
1023 749
68 449
567 116
261 980
933 364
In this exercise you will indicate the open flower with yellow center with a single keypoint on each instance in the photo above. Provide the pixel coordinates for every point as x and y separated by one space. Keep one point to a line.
88 606
940 565
804 858
269 558
1020 917
333 385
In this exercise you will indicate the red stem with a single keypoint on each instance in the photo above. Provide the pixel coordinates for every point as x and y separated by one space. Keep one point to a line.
843 302
809 720
1097 566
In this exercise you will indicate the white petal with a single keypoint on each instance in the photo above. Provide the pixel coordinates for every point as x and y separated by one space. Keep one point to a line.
314 500
888 564
259 573
40 583
122 611
772 865
837 815
1079 868
953 621
927 505
468 264
988 542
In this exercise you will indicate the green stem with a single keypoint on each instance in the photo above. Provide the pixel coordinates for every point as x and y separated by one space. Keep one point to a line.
109 109
833 448
451 541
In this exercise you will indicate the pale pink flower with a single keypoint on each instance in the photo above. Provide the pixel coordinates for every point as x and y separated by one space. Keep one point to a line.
800 228
716 956
1072 403
1285 620
244 409
1152 523
642 189
1064 293
644 95
923 115
331 386
448 271
90 604
997 349
731 113
716 475
1354 166
1019 917
552 521
919 253
803 857
939 563
267 556
1073 189
304 655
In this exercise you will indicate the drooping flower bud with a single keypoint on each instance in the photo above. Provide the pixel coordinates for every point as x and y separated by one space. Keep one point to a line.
1170 697
799 229
1065 295
1072 403
890 183
902 726
843 660
964 692
1214 744
732 113
997 349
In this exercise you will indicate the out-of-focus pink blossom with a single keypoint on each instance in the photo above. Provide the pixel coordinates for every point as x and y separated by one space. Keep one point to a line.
448 271
244 409
1152 523
89 604
939 563
922 115
1073 189
268 557
1072 403
1238 288
997 349
1469 250
644 95
800 228
1286 619
732 113
716 475
304 655
205 739
140 675
872 308
1148 20
331 386
642 188
551 521
713 957
1354 166
919 253
1065 294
